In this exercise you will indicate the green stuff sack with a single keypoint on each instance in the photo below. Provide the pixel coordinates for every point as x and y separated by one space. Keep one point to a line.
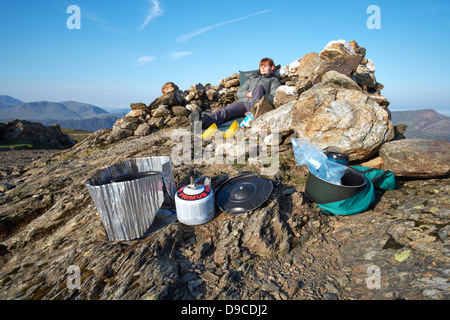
376 179
383 180
355 204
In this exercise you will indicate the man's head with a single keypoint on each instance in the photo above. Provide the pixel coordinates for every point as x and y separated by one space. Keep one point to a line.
266 65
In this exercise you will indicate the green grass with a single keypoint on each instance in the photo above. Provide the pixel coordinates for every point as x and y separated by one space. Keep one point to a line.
292 172
13 145
75 134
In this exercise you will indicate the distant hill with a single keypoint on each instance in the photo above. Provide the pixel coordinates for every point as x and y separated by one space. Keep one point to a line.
8 102
89 124
85 110
69 114
423 124
37 111
66 110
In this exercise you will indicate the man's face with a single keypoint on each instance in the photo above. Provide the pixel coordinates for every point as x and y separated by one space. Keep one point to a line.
264 68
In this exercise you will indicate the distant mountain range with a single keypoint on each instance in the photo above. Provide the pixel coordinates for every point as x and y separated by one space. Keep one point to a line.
423 124
69 114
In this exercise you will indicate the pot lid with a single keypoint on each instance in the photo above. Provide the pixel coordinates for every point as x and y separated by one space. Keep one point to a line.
243 193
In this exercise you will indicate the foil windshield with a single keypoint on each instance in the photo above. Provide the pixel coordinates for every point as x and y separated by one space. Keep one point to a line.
128 208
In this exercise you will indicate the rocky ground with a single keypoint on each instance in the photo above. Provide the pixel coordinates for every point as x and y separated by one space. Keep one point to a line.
13 164
286 250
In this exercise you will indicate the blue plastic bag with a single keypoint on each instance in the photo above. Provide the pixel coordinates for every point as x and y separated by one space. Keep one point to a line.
306 153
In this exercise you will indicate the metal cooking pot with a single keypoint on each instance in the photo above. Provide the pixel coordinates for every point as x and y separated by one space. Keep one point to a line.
321 191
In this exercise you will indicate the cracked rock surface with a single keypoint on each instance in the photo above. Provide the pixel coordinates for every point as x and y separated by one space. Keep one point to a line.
287 249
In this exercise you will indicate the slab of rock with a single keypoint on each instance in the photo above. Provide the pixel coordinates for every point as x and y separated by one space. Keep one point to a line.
346 65
336 49
376 163
279 119
119 133
178 122
266 233
161 112
340 79
284 95
417 158
366 79
261 107
309 64
139 106
142 130
171 98
331 116
136 113
180 111
169 87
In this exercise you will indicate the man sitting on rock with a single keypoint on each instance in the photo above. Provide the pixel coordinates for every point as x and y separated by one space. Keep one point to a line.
262 83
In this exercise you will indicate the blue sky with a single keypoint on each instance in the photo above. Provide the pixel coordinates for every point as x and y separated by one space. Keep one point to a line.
126 51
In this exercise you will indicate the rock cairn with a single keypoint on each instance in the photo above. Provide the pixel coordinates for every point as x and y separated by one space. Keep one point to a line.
347 58
173 107
331 98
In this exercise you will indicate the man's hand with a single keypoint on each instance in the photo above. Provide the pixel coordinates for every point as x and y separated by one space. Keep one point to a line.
249 94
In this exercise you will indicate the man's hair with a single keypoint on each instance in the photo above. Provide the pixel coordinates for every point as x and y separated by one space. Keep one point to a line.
267 60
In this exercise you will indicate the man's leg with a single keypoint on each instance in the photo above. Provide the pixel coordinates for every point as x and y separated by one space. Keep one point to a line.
233 111
257 94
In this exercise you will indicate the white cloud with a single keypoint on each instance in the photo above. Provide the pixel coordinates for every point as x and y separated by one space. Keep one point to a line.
145 60
187 37
155 11
180 54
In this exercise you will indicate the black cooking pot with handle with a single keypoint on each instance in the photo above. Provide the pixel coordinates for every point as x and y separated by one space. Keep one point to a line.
321 191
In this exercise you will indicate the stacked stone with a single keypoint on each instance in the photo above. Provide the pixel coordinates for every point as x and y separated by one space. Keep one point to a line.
173 107
347 58
169 110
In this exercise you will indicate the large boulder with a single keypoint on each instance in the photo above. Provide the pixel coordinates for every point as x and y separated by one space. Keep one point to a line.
334 114
417 158
329 115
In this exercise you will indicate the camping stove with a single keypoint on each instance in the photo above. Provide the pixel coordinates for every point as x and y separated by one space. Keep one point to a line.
195 204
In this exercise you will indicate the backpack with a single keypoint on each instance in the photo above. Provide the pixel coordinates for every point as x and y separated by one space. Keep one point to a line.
376 179
245 75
